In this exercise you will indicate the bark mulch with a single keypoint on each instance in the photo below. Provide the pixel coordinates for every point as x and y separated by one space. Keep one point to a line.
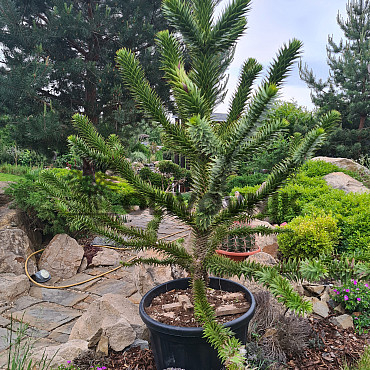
329 349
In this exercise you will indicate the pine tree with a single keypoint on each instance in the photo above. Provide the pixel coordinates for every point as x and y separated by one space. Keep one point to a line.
348 87
58 59
212 149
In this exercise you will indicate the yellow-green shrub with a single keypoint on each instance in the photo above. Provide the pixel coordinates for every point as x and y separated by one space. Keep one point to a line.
310 236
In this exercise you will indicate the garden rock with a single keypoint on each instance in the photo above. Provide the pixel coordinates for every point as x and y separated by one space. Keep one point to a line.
343 321
62 257
62 353
147 277
103 346
15 248
345 163
267 243
318 307
115 317
262 258
339 309
13 286
16 218
325 297
341 181
106 257
315 289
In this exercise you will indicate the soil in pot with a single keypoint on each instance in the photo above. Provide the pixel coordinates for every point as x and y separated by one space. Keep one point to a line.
176 308
184 347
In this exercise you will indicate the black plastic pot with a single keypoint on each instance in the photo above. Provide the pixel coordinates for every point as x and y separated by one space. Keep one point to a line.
182 347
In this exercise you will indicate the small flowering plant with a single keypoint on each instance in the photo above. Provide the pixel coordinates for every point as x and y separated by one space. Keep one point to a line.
355 296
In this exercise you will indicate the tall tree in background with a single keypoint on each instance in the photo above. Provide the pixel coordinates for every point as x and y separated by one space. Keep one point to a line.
58 59
348 87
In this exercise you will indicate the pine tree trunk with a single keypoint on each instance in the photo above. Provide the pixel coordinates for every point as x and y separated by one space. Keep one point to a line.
362 122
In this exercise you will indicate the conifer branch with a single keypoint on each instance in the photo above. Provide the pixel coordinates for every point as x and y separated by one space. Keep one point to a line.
220 337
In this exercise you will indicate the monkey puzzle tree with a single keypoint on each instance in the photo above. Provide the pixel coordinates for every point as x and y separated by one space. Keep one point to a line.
213 150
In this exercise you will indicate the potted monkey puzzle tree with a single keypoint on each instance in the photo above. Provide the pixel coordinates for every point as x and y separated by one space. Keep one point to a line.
194 61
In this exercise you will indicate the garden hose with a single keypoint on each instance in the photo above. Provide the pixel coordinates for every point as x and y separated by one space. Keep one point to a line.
95 277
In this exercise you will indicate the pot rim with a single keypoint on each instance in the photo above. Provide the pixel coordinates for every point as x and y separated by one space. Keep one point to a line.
181 330
238 254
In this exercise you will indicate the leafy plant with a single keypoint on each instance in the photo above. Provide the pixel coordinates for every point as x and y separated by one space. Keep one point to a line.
212 149
309 236
40 208
355 297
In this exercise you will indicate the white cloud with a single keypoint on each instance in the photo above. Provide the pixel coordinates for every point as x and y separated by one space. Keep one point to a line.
271 23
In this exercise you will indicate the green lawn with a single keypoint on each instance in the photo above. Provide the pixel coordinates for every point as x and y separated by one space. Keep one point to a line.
9 177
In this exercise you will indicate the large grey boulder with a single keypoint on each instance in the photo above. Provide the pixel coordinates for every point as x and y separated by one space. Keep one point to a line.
13 286
112 316
345 163
62 257
15 248
341 181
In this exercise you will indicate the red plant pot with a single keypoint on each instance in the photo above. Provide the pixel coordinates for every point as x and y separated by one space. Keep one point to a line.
237 256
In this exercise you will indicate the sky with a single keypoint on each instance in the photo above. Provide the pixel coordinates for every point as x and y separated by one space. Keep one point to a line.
271 23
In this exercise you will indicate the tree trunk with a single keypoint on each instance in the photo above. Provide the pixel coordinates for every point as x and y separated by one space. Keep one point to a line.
199 254
362 122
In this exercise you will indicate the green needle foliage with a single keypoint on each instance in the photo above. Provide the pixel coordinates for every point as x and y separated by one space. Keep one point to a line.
194 61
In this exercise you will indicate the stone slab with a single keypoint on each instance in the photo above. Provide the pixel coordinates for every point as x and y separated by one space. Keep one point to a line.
4 322
113 286
78 279
66 328
58 337
43 343
3 338
24 302
46 316
30 331
61 296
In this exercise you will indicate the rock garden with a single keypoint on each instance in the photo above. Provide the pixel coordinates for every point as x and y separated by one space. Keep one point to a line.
97 322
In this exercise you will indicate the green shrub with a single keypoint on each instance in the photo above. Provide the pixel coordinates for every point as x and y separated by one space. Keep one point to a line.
245 190
155 179
245 180
307 193
322 168
31 198
352 211
288 202
39 207
310 236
